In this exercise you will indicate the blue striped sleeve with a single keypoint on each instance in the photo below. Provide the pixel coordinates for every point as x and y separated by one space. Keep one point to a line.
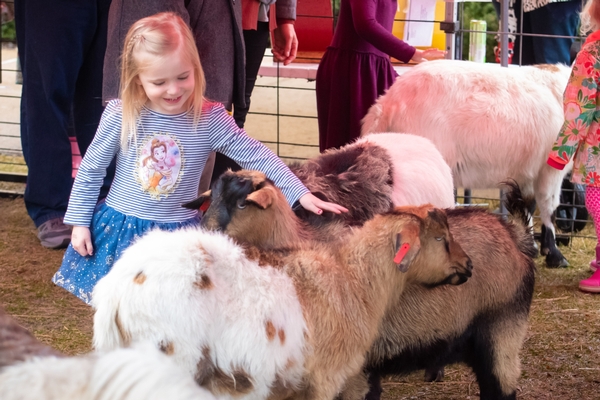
92 170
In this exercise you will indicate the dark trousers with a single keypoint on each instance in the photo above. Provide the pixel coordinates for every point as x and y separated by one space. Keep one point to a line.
256 42
561 19
61 50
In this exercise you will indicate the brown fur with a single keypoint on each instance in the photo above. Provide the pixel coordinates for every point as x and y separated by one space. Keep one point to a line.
167 348
215 380
17 344
281 334
271 330
124 334
139 278
204 282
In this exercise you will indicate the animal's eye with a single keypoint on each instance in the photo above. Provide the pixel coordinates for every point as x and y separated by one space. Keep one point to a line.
439 238
241 204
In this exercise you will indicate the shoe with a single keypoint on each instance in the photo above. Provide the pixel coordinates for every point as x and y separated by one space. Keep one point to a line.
53 234
594 263
591 284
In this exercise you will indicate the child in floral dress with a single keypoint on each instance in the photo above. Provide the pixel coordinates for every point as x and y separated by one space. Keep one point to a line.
579 138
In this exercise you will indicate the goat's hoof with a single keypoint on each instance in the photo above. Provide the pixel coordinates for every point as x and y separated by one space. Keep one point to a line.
556 261
434 374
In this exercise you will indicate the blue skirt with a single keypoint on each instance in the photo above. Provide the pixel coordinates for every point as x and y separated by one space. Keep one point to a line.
112 233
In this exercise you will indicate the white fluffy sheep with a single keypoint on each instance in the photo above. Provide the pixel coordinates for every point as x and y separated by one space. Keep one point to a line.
30 370
489 123
140 372
282 324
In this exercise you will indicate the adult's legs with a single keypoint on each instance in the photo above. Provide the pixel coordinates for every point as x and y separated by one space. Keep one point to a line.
560 19
53 39
256 43
88 105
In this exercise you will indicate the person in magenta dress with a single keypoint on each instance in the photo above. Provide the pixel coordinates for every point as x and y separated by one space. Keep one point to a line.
356 67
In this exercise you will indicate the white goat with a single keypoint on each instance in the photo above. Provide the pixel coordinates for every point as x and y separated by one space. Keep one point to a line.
489 123
141 372
258 324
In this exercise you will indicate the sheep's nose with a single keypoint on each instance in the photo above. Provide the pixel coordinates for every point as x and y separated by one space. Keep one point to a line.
469 265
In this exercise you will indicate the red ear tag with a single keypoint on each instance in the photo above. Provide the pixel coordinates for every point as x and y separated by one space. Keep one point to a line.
401 253
205 205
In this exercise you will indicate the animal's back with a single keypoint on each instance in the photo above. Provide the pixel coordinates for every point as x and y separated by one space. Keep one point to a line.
420 174
488 122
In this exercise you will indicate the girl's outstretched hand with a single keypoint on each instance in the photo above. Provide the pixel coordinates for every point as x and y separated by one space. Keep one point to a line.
312 203
81 239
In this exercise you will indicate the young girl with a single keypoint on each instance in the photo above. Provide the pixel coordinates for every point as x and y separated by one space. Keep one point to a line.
579 137
161 131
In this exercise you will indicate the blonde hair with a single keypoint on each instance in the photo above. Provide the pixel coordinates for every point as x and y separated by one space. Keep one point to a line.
158 35
590 17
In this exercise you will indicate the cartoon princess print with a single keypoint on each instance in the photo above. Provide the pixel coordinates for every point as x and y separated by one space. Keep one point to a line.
160 163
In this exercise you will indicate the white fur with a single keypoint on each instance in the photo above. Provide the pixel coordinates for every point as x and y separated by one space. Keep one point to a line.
419 171
229 319
489 123
142 372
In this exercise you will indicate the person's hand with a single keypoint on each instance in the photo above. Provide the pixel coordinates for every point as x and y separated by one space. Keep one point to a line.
312 203
428 55
285 43
81 239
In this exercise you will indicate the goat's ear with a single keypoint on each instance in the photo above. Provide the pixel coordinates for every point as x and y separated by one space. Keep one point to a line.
263 197
436 217
201 203
407 247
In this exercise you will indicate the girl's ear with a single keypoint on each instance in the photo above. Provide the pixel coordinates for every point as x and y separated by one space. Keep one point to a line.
137 80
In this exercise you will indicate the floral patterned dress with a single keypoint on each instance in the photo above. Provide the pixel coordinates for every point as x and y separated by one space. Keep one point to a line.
579 138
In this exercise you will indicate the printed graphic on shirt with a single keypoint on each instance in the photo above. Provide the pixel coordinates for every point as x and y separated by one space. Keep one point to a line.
159 165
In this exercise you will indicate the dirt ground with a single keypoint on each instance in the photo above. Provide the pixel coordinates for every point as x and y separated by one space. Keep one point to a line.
559 360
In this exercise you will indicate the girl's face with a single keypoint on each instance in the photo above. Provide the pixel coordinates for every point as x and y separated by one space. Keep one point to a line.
168 84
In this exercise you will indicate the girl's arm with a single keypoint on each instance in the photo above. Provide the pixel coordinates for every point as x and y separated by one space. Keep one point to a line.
232 141
579 108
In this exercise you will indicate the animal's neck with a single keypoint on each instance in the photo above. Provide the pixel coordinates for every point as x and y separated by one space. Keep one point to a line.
288 232
371 263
